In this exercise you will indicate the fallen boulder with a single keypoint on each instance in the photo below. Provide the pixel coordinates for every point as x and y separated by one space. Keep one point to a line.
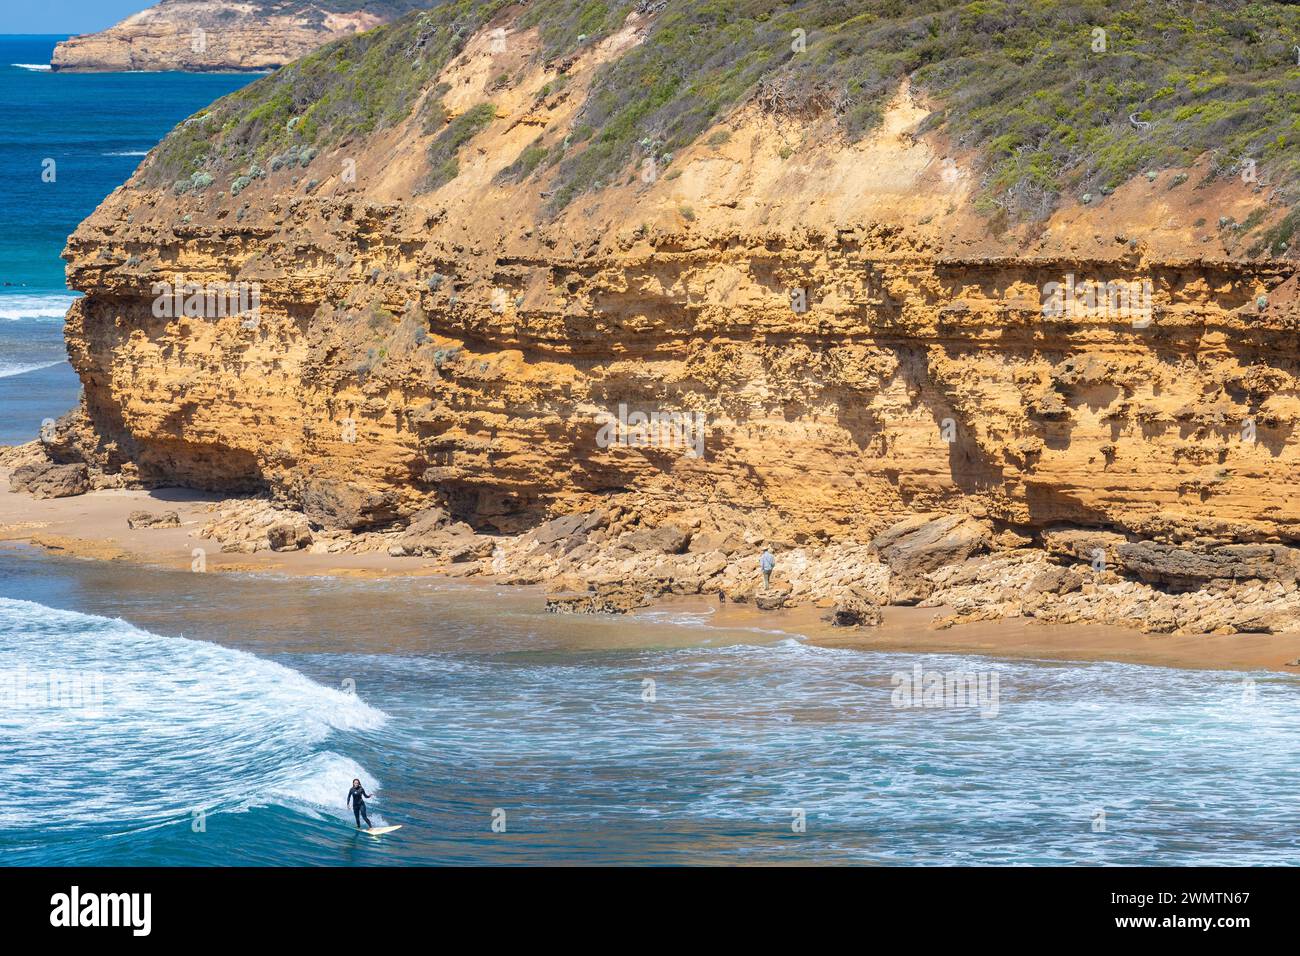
1056 580
342 505
923 543
147 519
727 542
46 479
423 534
566 527
771 600
289 534
665 539
855 609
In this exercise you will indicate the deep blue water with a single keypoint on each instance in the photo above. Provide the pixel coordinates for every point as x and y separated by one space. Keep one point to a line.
95 128
255 701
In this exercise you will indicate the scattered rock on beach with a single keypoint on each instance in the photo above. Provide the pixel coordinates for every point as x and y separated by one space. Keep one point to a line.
147 519
608 599
249 525
771 600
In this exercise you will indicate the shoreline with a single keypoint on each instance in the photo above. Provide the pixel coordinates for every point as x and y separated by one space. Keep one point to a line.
93 526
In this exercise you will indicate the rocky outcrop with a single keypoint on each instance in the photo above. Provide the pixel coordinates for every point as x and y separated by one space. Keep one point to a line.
1024 584
433 533
219 35
1178 567
1186 569
606 599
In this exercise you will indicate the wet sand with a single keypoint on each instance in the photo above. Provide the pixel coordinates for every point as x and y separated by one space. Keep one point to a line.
907 629
94 526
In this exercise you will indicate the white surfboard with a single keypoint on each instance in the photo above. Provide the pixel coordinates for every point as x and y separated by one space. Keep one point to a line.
376 831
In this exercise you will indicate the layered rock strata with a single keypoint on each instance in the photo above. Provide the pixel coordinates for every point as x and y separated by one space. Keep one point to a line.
807 349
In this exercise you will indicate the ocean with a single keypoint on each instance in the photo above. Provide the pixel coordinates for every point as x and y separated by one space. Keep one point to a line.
95 128
165 717
219 718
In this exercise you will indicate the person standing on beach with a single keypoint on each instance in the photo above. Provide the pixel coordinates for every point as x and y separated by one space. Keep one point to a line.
767 564
355 798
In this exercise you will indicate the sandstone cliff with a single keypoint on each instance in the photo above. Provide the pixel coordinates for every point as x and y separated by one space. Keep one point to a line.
220 35
862 341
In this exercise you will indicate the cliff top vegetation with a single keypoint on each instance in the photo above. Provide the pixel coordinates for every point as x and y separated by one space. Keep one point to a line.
1055 98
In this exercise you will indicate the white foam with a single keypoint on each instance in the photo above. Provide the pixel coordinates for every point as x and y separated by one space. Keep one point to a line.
50 305
9 371
129 152
38 67
314 787
175 725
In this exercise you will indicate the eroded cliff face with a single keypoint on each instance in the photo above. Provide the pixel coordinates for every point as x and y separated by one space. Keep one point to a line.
860 345
214 35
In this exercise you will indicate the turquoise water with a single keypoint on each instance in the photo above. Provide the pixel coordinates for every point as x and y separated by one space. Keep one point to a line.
96 128
255 701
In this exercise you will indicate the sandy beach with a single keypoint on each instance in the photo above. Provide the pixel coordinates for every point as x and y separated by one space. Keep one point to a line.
94 527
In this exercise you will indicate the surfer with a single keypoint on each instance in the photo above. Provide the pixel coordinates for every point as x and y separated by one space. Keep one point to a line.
355 797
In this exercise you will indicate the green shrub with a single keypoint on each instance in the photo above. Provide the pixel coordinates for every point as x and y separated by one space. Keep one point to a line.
1015 82
1278 240
350 87
532 156
443 167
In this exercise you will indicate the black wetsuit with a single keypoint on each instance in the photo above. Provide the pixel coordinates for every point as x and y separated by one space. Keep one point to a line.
359 805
